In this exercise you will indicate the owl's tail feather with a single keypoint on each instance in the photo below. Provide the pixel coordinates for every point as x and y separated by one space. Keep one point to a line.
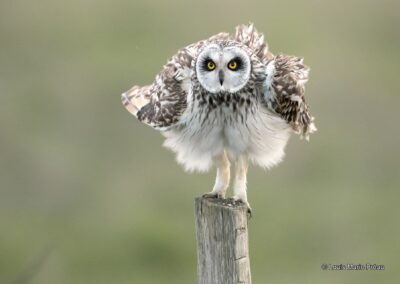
136 98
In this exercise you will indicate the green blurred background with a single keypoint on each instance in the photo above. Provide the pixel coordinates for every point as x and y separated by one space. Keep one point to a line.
81 176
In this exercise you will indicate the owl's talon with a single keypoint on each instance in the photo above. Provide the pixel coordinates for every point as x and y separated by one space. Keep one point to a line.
249 212
240 200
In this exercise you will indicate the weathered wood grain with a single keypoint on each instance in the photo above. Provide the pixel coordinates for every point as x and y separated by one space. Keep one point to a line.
222 242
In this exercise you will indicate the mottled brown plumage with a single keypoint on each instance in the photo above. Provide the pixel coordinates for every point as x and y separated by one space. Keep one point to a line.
288 85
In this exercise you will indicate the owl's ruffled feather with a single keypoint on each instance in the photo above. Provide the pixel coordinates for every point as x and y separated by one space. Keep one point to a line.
162 104
287 85
284 86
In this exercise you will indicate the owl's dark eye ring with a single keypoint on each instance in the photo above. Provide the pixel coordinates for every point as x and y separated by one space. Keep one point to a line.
235 64
210 65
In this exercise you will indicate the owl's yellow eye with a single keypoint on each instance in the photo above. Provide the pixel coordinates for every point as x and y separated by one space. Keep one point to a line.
233 65
210 65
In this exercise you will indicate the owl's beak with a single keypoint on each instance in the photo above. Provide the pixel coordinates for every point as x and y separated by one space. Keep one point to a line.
221 77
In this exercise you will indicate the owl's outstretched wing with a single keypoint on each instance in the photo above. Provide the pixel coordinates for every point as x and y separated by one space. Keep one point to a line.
284 92
285 79
162 103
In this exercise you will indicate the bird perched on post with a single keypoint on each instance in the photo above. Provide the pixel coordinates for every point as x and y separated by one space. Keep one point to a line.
226 99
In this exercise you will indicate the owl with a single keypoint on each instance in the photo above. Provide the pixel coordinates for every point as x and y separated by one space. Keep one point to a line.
225 100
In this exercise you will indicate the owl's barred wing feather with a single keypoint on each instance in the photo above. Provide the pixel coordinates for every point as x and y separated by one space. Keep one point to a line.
161 104
284 84
284 92
134 99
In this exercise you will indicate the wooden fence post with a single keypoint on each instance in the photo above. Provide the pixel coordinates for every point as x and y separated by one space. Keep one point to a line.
222 242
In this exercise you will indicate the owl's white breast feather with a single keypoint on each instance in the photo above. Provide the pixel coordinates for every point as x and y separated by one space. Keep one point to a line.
262 137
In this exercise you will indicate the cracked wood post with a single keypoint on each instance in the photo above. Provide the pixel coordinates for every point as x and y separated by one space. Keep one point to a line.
222 242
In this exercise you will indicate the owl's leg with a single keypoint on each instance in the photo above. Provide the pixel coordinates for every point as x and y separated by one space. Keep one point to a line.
239 189
223 176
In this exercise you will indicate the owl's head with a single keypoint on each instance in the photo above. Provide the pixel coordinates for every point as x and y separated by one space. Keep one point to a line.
223 68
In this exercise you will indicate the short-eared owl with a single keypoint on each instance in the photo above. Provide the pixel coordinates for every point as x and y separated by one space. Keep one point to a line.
226 99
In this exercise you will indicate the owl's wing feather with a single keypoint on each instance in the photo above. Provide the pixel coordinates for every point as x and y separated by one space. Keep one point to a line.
284 84
284 92
162 103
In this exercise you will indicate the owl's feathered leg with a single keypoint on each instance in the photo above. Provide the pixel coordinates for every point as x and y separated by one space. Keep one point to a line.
239 189
223 176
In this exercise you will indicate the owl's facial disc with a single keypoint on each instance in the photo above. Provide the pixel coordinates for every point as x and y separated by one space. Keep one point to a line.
224 69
